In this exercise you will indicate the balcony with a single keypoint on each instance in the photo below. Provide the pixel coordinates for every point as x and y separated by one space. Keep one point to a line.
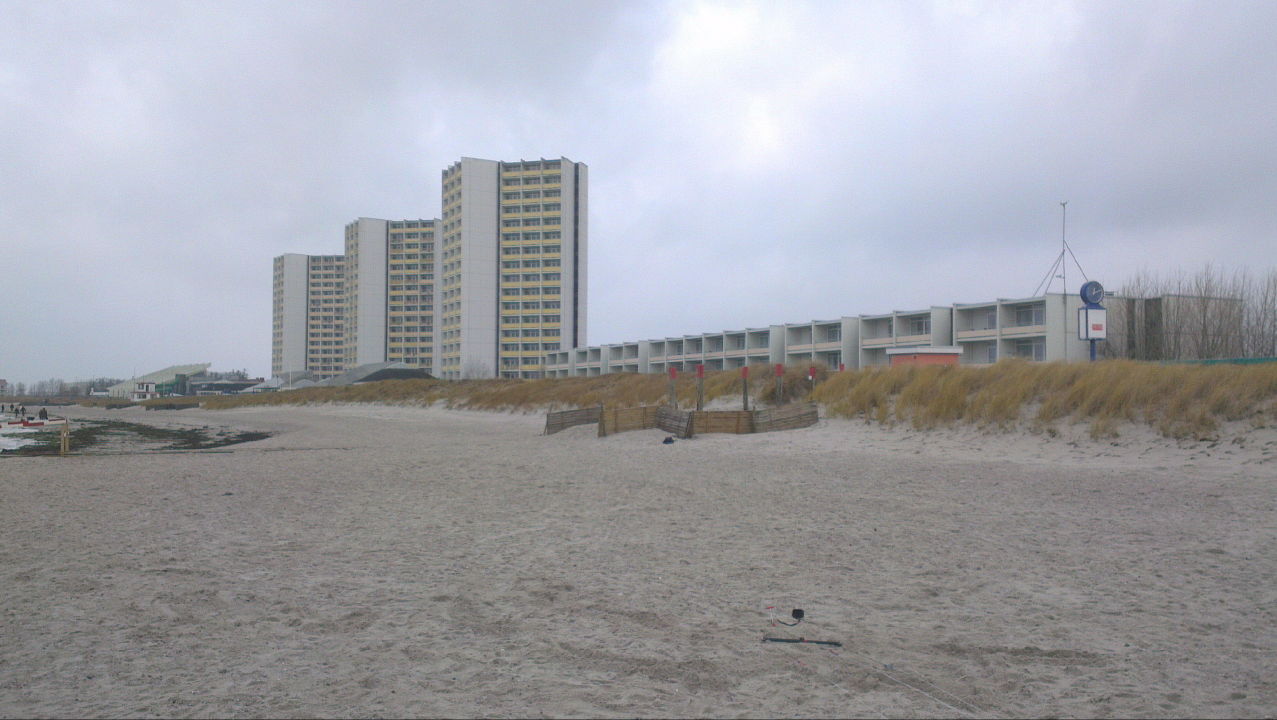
876 341
980 334
1023 331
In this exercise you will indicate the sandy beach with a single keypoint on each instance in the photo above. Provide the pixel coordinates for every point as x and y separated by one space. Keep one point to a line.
382 561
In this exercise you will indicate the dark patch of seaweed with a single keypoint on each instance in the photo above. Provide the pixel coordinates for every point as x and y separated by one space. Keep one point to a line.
90 434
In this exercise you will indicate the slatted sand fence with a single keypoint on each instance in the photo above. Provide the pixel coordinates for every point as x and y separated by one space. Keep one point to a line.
687 423
673 420
615 420
786 417
737 422
564 419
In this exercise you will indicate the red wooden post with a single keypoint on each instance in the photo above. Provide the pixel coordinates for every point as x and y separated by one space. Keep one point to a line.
673 395
700 387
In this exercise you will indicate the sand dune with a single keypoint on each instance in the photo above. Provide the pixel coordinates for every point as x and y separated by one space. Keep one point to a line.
380 561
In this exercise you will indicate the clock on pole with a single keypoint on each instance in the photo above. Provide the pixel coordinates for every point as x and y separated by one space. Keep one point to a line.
1092 318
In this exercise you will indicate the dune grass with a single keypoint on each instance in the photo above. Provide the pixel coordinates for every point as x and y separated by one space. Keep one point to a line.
1180 401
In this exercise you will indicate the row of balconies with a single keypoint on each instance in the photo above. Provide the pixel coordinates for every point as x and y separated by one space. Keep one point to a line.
1009 327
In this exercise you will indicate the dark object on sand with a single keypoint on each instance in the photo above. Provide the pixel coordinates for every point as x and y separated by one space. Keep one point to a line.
797 615
835 643
668 441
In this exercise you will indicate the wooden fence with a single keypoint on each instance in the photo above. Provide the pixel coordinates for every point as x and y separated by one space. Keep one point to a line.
786 417
624 419
678 422
686 423
564 419
738 422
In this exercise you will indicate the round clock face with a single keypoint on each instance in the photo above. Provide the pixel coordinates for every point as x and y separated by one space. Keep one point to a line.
1092 292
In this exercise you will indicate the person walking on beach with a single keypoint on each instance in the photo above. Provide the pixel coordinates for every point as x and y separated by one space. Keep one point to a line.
44 414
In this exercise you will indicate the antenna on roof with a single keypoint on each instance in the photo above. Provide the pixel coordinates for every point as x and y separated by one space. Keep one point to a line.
1059 268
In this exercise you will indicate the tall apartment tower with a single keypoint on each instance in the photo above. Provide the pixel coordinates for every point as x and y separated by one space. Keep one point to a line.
389 302
511 266
307 318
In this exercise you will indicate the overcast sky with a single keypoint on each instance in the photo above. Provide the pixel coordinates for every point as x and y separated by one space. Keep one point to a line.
750 164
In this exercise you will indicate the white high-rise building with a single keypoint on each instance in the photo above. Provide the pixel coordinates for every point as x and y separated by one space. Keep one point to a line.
485 291
308 308
511 266
390 270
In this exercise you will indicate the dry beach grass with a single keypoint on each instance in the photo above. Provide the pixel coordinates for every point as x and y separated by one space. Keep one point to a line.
372 560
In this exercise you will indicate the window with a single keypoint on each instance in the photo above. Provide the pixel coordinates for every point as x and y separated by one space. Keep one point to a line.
1031 350
1029 315
920 326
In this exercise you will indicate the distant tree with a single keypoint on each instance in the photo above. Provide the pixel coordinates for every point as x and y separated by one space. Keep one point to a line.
476 370
1209 314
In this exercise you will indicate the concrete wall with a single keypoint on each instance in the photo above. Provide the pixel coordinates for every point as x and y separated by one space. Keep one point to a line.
367 344
289 313
480 267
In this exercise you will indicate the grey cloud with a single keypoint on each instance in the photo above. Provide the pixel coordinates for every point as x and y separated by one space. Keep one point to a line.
767 162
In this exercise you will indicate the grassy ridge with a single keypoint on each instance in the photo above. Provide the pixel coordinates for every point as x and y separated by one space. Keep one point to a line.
1180 401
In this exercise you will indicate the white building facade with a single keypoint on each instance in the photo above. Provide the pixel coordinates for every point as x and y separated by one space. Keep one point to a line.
1040 329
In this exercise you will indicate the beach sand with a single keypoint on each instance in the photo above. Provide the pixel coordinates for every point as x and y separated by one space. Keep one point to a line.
384 561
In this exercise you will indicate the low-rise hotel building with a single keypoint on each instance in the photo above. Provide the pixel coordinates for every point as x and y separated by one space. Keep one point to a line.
1041 329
